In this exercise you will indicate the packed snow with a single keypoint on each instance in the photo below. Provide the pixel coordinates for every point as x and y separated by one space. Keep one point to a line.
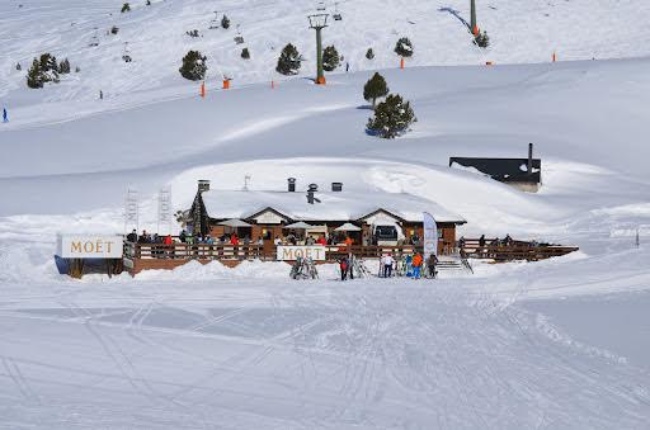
561 343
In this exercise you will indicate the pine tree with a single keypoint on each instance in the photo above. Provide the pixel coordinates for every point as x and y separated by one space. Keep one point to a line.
34 78
370 54
194 66
404 47
49 68
64 67
148 3
375 88
126 8
393 117
482 40
331 59
289 61
225 22
245 54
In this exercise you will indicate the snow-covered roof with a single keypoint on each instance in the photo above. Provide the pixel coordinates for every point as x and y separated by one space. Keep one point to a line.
333 206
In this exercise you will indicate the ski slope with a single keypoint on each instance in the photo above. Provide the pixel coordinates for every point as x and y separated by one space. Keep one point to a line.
561 343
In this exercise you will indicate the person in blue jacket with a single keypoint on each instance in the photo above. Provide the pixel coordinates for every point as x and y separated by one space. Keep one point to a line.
5 115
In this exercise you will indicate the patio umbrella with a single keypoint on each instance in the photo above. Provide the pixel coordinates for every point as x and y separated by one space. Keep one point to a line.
348 227
235 222
300 225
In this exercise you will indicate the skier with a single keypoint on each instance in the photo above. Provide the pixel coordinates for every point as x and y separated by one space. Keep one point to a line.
347 67
343 265
5 115
101 95
417 265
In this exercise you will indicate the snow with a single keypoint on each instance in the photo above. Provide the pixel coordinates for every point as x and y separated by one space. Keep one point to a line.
560 343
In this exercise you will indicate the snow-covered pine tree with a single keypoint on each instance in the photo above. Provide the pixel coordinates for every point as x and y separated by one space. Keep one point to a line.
194 66
225 22
375 88
404 47
34 78
331 58
289 61
370 54
393 117
64 67
49 68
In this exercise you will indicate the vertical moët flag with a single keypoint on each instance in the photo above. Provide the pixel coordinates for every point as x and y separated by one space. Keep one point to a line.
430 235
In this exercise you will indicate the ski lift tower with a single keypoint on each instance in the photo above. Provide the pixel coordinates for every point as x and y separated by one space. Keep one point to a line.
318 22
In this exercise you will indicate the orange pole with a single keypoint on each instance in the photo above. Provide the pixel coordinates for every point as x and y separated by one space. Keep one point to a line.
203 89
226 84
401 63
554 57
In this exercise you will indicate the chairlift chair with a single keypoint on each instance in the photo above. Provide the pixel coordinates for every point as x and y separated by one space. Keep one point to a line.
125 55
337 16
320 6
214 23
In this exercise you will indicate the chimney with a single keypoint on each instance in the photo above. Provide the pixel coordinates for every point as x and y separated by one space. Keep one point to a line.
530 158
292 185
337 187
310 194
204 185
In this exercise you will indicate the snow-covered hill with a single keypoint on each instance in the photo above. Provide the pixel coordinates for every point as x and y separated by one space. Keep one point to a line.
155 36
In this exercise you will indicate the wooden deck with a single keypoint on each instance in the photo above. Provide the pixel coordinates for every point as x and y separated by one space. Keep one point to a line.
147 256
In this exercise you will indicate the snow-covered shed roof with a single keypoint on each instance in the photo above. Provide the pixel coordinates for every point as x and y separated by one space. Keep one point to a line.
334 206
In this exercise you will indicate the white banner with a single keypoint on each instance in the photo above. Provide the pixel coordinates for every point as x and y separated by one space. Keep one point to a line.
89 246
316 252
430 236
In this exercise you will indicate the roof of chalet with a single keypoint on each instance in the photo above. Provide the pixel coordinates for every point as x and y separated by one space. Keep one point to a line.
334 206
503 169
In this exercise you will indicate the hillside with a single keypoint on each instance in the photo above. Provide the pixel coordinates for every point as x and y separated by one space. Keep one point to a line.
155 36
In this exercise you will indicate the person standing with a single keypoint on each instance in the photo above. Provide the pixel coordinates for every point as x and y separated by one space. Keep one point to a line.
417 265
388 265
432 261
343 265
5 115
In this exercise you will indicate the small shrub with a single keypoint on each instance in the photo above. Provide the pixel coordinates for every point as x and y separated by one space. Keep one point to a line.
289 61
115 29
194 66
245 54
331 59
393 117
370 54
404 47
126 8
375 88
225 22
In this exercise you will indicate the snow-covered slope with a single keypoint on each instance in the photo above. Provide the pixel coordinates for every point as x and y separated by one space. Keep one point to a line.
155 36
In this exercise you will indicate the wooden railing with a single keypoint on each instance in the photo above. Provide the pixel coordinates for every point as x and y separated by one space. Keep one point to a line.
515 250
203 251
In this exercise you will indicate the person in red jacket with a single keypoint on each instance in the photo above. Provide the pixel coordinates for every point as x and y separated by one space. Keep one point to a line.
234 240
322 240
417 265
